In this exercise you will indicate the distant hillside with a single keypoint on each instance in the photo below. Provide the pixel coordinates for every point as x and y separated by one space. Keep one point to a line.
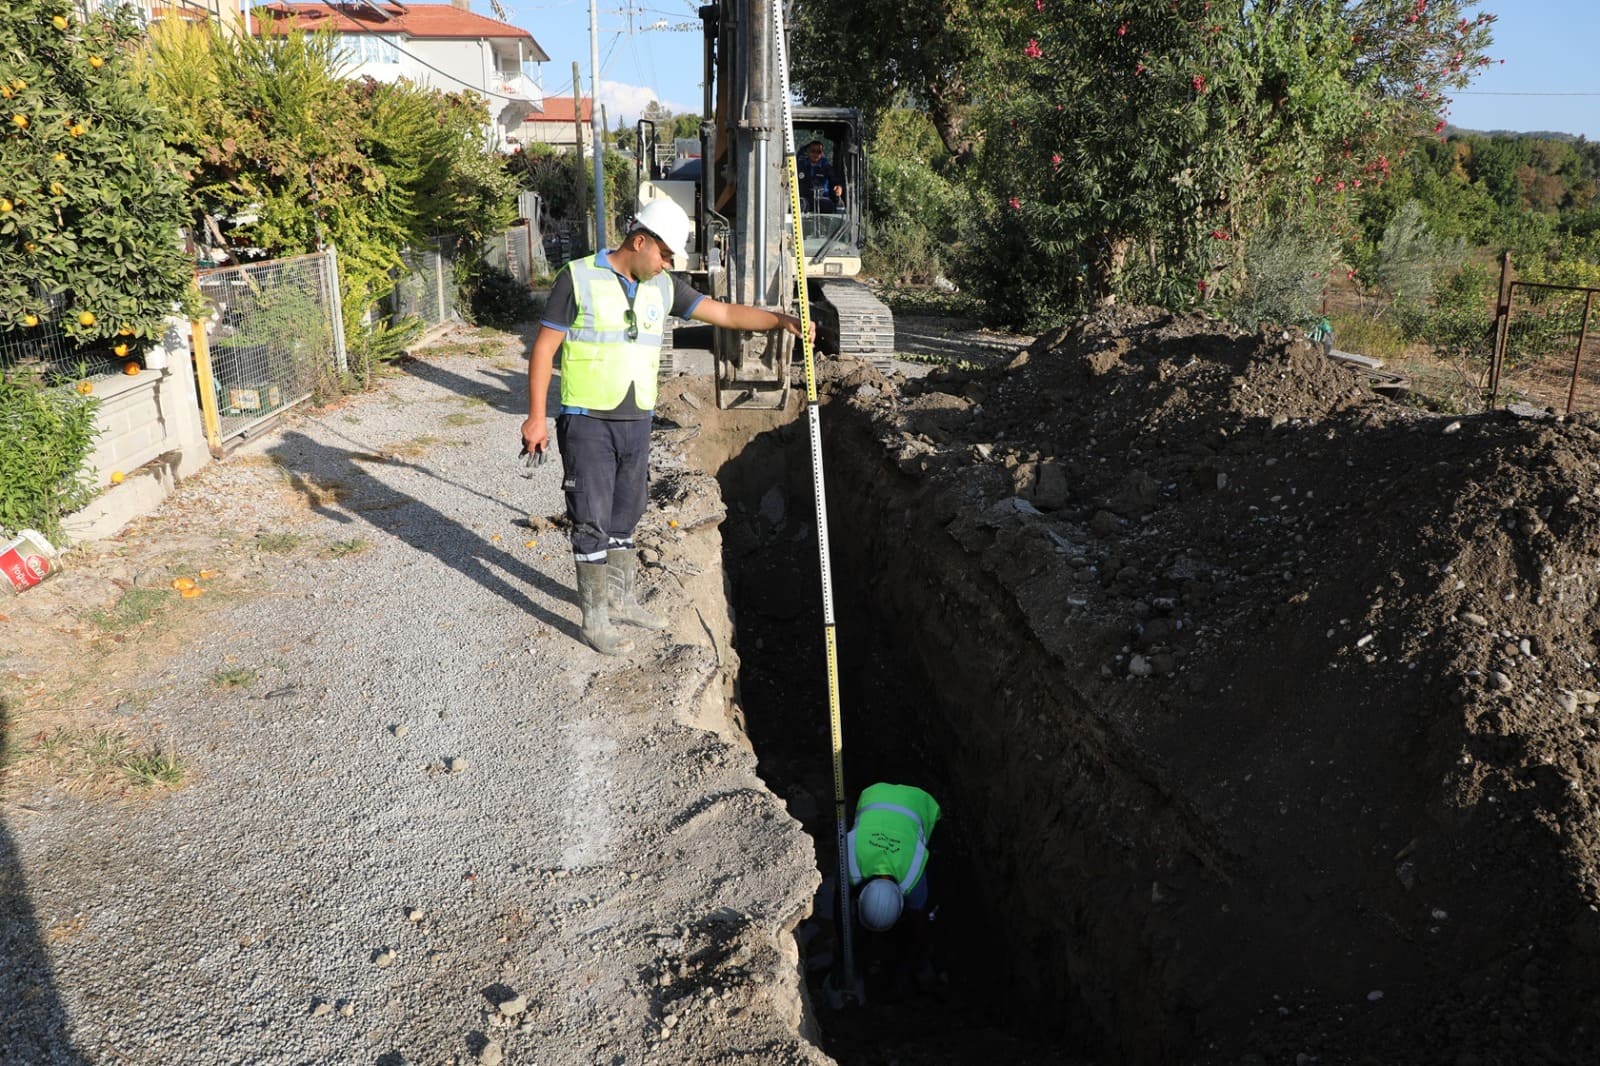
1537 135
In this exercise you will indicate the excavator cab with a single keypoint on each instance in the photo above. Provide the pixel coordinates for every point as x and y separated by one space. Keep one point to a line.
833 186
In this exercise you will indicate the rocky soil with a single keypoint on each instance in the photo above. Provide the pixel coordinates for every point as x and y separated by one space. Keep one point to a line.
1269 704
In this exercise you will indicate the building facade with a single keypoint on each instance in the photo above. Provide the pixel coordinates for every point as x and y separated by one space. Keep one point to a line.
562 124
441 46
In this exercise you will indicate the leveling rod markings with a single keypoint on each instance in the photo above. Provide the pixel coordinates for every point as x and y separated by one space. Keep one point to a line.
814 425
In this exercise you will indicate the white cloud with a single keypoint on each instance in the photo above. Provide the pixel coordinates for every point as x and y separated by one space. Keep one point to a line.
624 102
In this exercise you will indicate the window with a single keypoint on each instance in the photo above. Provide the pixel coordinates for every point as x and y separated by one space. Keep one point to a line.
369 48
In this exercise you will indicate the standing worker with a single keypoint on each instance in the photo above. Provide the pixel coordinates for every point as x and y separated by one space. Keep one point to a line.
606 314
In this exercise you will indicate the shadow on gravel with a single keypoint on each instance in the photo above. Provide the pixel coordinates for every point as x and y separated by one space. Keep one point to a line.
33 1023
323 475
508 393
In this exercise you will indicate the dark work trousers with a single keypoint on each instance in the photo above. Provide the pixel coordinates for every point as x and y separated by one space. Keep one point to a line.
605 467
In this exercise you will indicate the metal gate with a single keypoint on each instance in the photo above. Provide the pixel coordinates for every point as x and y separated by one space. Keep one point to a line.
1545 351
273 333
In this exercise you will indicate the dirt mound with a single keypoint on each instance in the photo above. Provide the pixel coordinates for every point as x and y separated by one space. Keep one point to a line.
1320 667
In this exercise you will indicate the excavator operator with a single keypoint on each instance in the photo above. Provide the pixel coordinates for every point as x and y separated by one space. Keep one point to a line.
820 190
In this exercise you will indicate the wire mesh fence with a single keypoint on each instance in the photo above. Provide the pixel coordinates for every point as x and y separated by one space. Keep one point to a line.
45 349
273 335
1549 349
519 251
428 290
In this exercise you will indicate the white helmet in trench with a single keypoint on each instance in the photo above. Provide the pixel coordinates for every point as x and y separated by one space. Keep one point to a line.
666 220
881 901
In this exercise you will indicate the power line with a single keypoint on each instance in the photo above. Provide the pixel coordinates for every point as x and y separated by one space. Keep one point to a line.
1484 92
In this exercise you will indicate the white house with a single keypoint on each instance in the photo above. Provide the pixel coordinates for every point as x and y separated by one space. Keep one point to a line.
441 46
558 124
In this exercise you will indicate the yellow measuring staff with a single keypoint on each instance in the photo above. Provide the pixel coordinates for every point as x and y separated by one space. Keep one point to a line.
814 426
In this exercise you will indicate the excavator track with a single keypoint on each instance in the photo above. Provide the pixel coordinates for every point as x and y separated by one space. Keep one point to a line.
853 322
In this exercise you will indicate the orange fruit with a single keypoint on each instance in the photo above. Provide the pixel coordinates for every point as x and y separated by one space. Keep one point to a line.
124 331
28 246
183 584
59 22
86 318
56 189
132 369
19 85
30 320
96 62
190 594
77 131
117 477
5 92
60 157
85 388
121 349
20 121
5 205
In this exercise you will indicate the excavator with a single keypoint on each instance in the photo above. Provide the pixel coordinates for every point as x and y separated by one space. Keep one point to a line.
738 200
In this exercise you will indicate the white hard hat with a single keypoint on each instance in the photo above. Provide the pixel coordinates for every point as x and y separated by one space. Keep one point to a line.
881 902
664 218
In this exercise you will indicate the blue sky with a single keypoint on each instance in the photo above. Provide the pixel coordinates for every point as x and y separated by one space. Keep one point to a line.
1549 47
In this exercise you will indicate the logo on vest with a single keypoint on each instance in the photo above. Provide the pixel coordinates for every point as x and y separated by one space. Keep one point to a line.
651 319
884 842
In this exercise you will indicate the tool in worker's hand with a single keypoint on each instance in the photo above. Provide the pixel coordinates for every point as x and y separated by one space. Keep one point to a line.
531 459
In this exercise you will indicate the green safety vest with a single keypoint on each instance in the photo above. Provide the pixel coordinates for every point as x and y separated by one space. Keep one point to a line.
598 361
890 839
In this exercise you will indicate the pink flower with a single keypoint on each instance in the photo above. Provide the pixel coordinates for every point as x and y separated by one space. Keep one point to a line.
1038 5
1033 51
1122 30
1338 186
1055 159
1357 183
1138 70
1198 83
1350 275
1014 203
1219 234
1201 285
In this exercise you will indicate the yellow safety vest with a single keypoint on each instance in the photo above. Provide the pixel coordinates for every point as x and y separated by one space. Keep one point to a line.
598 361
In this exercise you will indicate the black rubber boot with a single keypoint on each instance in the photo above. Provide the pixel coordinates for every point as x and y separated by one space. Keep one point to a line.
622 566
598 631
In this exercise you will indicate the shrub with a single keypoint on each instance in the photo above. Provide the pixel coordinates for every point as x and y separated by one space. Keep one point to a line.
46 433
495 298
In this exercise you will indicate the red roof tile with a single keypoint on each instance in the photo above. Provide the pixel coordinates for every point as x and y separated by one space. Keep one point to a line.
414 20
559 109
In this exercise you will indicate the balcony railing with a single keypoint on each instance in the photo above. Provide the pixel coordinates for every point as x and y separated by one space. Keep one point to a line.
519 86
224 13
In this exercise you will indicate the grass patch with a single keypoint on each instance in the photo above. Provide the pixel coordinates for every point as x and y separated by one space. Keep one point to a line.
477 399
1367 336
102 754
154 768
134 608
414 448
920 300
461 418
278 543
234 677
482 349
354 546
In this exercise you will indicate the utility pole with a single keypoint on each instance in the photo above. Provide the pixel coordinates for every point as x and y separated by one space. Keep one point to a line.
594 103
577 139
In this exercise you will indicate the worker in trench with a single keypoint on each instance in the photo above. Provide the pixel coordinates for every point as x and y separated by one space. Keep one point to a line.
888 849
606 314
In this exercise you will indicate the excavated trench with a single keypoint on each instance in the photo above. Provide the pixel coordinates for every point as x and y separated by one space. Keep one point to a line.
1263 712
1003 980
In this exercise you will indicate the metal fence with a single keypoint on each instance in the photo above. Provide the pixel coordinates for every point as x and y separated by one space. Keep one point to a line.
428 289
519 251
45 349
1546 346
274 332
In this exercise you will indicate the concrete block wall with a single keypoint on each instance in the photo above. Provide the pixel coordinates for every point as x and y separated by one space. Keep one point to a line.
151 432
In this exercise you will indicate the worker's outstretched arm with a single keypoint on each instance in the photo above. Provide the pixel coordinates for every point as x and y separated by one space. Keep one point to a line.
745 317
541 364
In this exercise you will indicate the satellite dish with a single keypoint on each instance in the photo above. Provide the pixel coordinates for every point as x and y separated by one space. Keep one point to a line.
499 11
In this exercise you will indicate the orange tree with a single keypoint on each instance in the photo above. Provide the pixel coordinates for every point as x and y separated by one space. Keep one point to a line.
91 197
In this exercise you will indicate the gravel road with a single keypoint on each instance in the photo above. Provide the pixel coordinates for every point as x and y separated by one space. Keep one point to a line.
421 822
